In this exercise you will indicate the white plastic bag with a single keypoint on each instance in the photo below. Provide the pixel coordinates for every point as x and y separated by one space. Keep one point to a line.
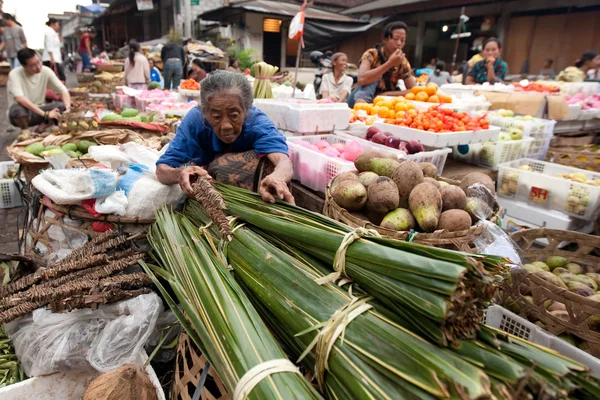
116 203
70 186
105 338
121 156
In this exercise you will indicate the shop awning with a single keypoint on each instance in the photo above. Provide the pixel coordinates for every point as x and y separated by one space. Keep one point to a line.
320 34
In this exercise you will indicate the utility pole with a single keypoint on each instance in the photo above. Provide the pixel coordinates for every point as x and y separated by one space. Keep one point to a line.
187 13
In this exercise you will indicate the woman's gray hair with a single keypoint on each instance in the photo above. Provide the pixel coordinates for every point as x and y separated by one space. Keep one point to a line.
226 81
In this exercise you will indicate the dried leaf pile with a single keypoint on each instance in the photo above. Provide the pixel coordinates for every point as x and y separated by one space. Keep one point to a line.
88 276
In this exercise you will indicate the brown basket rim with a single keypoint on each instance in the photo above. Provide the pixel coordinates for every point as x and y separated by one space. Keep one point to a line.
460 239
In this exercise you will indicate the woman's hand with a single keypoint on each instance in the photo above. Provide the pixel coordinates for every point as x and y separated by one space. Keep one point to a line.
272 186
489 63
185 176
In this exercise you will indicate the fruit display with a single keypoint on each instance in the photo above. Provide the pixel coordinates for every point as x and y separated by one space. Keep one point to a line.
403 195
428 93
73 150
128 114
189 84
586 102
169 106
540 87
375 135
440 120
347 152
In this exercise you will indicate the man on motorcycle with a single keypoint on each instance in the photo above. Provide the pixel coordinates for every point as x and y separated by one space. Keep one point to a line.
382 67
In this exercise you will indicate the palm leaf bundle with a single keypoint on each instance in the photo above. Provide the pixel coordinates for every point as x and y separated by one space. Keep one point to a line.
450 289
216 313
281 282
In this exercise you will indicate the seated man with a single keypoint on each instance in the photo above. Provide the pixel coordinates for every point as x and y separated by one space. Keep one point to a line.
382 67
27 87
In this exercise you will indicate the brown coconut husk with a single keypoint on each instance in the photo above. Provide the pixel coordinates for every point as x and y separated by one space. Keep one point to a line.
125 383
214 205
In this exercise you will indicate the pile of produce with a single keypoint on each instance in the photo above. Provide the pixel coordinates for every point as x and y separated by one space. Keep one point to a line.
383 108
101 87
76 122
375 135
189 84
347 152
356 346
536 87
11 173
170 106
84 106
10 367
405 195
128 114
156 94
91 274
586 102
428 93
440 120
73 150
263 73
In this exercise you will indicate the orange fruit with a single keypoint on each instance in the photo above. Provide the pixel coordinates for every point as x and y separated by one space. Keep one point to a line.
422 96
388 104
400 114
410 96
412 112
383 112
401 99
378 99
410 106
392 114
445 98
417 89
395 100
431 90
358 106
401 107
368 108
433 99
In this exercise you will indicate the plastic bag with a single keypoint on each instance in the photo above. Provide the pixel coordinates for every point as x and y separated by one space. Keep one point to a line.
493 240
116 203
70 186
105 338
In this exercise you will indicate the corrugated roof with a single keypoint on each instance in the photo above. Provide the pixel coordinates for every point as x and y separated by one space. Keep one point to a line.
379 4
272 7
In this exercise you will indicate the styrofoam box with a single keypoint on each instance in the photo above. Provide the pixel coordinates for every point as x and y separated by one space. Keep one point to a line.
509 322
142 104
523 213
586 115
491 154
445 139
435 156
305 116
574 110
314 169
65 385
573 198
9 195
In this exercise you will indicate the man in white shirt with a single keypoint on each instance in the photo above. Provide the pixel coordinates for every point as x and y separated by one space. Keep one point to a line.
27 87
52 56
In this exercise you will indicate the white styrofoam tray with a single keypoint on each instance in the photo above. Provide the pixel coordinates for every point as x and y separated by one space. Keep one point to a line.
305 116
509 322
445 139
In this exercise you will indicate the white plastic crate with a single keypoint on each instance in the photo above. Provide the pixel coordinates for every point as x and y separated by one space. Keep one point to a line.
305 116
509 322
314 169
9 195
445 139
435 156
536 182
491 154
541 130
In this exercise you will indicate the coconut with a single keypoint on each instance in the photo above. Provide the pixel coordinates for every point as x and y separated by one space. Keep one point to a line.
429 169
350 195
453 198
382 195
125 383
477 177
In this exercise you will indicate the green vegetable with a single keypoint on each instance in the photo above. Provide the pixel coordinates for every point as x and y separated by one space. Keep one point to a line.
51 152
83 145
35 148
111 118
69 147
51 147
153 85
129 112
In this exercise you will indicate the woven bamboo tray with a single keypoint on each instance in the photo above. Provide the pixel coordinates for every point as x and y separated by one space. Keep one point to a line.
462 240
584 157
110 68
580 308
188 368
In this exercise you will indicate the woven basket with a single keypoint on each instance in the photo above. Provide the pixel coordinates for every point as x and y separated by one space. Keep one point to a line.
584 157
85 77
580 308
188 368
110 68
462 240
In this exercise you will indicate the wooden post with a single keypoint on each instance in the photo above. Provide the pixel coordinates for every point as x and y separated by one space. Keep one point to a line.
460 23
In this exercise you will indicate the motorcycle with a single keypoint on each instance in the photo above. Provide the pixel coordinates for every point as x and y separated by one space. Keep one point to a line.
323 61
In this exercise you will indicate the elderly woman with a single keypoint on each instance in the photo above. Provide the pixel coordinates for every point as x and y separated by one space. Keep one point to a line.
226 122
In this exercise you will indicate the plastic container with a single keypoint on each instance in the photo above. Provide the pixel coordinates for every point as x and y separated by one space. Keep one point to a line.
314 169
491 154
123 101
9 195
434 139
435 156
509 322
541 130
305 116
536 182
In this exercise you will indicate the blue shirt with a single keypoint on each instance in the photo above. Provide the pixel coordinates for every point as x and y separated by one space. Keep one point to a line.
480 73
197 142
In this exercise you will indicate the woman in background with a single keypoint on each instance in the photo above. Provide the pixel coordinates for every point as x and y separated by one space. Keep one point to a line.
336 85
137 69
234 66
52 56
492 68
198 73
589 61
440 76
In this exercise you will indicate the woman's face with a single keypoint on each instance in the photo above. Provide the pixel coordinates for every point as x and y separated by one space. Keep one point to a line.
151 63
235 64
397 41
226 116
341 63
195 67
491 50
